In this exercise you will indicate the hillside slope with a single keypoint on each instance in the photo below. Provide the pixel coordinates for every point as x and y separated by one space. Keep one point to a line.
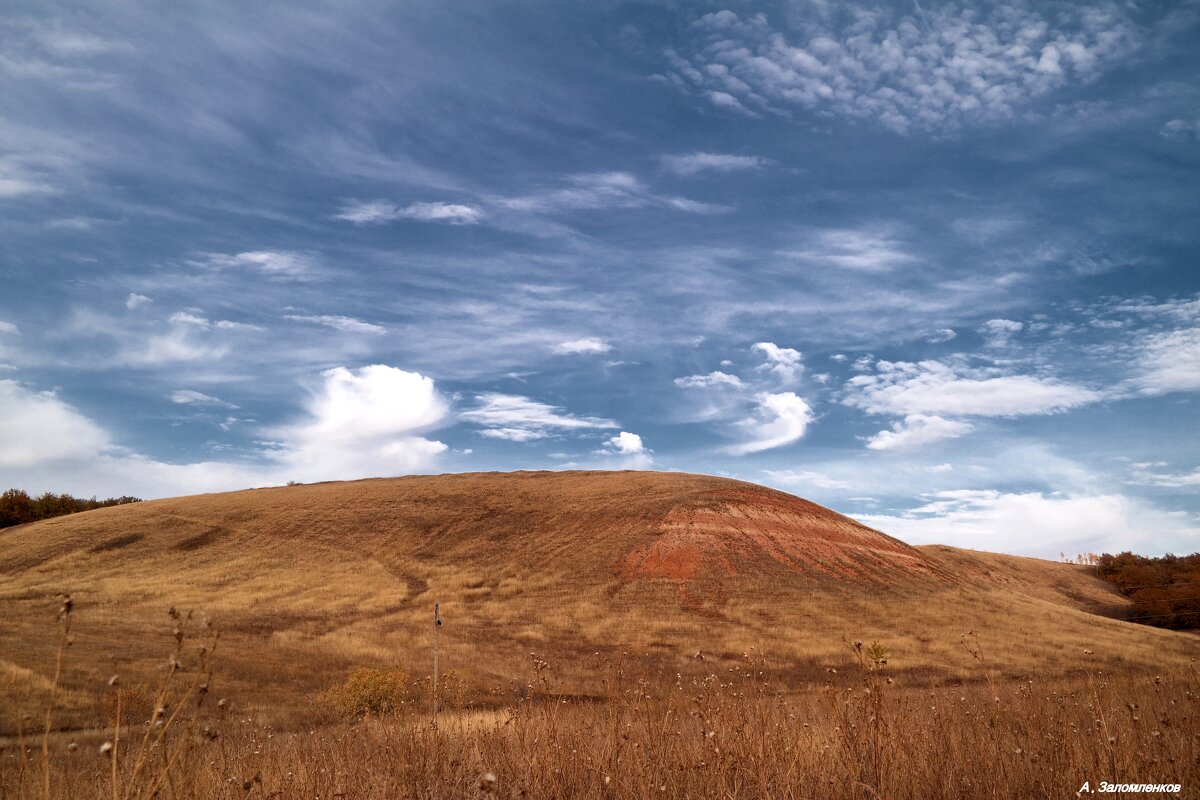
307 581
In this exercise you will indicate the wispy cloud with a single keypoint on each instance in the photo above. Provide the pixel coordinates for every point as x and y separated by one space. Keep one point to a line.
381 211
338 322
597 190
918 429
937 388
779 419
521 419
712 379
282 264
194 398
588 345
862 250
693 163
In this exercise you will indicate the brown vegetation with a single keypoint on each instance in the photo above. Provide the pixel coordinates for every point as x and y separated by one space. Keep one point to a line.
725 604
18 508
1164 592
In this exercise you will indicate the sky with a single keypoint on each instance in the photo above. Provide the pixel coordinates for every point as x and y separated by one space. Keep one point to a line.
933 265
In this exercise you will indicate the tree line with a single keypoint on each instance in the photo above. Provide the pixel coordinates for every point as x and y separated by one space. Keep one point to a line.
17 507
1165 590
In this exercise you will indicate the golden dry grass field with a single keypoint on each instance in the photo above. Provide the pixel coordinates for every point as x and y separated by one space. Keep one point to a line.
562 593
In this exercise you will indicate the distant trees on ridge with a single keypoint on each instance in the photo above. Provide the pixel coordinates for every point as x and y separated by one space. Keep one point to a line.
17 507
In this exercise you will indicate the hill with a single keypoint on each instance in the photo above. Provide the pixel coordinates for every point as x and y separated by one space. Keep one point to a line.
305 582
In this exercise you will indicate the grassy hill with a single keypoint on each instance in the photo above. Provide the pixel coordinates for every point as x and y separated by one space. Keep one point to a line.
306 582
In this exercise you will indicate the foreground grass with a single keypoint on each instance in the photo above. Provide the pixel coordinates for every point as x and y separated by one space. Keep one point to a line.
733 733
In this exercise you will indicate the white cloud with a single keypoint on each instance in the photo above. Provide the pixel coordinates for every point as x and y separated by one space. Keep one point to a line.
1169 362
514 434
712 379
358 423
692 163
1037 524
381 211
942 335
999 332
280 265
729 102
1170 481
444 212
859 250
38 427
905 71
364 423
340 323
779 419
595 190
935 388
1181 129
136 300
916 430
587 345
782 361
630 449
626 443
192 397
9 327
520 419
804 478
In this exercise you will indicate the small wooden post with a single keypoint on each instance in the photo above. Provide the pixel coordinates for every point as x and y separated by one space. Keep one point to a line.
437 639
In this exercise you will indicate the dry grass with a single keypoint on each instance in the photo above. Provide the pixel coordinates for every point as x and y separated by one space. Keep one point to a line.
308 583
698 631
736 732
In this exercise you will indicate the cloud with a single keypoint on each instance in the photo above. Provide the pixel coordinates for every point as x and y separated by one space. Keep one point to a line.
192 397
596 190
279 265
364 423
861 250
357 423
38 427
942 335
380 211
1181 129
779 419
916 430
520 419
587 346
692 163
630 449
999 332
1166 480
136 300
935 388
782 361
712 379
1036 524
808 478
1169 362
935 71
340 323
9 327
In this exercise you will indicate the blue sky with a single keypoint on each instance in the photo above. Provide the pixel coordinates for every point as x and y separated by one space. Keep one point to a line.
933 265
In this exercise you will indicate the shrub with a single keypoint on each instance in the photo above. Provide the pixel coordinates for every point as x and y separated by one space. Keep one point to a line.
371 690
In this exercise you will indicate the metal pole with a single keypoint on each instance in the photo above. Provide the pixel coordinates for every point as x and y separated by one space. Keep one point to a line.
437 640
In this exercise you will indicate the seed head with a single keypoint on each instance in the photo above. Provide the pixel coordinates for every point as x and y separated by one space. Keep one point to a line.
106 748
